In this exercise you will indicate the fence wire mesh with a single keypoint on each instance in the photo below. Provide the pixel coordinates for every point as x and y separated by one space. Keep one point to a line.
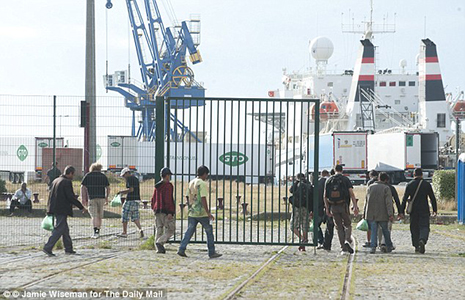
253 148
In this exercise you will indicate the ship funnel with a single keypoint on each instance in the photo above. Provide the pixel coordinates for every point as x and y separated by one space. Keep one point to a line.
363 80
433 107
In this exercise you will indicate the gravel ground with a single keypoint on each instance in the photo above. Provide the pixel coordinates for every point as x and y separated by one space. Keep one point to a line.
402 274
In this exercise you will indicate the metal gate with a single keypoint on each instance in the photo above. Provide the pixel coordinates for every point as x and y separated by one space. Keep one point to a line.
253 148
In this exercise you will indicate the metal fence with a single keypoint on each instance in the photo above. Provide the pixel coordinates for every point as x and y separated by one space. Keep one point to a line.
253 147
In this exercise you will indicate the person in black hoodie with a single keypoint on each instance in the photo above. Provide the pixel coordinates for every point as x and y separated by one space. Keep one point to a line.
60 204
164 209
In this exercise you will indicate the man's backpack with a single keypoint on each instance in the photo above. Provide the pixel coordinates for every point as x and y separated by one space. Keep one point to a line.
302 194
336 190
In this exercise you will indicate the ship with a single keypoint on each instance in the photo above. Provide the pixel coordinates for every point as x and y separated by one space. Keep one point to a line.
373 100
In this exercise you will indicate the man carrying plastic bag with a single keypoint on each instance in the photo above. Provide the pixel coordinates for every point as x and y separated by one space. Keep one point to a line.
60 205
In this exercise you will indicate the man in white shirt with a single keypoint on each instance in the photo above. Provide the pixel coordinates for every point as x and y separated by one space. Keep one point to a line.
21 199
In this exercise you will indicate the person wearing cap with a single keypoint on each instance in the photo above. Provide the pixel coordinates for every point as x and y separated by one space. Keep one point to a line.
164 209
131 205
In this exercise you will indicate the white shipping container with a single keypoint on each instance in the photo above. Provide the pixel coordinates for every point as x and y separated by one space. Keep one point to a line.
394 151
122 151
250 163
350 150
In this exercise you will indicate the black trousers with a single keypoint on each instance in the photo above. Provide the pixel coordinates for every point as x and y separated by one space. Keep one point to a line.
419 227
16 203
327 238
61 230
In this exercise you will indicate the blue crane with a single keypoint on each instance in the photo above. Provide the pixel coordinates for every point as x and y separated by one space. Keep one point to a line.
163 68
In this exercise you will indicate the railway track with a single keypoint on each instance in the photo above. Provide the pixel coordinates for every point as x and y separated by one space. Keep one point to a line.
345 295
54 274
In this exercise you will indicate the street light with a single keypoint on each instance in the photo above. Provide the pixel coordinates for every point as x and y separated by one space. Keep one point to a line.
62 116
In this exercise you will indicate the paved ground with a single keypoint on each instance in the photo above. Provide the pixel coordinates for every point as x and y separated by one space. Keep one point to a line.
437 274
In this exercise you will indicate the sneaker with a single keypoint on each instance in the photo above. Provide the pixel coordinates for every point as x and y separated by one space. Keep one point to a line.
160 248
349 248
320 246
421 247
383 248
182 253
11 215
302 248
367 245
389 250
72 252
216 255
141 234
373 250
49 253
123 235
95 236
417 250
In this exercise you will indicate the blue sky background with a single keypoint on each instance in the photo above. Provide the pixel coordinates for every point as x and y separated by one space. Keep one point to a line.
245 44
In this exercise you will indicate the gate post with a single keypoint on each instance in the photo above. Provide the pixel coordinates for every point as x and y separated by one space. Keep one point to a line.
316 157
159 136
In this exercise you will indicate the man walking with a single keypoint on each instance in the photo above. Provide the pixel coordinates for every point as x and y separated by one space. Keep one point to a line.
95 190
324 240
60 204
416 196
338 193
395 197
301 192
21 199
379 211
52 174
373 178
199 213
131 205
164 209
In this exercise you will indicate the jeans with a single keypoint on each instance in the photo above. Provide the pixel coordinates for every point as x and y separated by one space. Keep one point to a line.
419 228
61 230
374 233
381 240
192 226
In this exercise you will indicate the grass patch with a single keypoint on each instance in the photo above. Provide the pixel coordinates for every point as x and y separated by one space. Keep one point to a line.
149 244
58 245
105 245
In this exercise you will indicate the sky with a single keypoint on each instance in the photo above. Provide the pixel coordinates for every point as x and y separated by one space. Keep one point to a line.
245 44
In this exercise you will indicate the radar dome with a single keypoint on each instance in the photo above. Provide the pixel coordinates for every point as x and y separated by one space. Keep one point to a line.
321 48
403 63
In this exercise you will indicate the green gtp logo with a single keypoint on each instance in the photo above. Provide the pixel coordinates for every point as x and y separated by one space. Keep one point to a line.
22 153
43 145
115 144
233 159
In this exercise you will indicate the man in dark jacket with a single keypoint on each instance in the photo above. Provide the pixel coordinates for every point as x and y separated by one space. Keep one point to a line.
420 214
60 205
302 192
324 240
164 209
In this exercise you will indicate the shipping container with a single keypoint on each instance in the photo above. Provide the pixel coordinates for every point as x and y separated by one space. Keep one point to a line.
400 153
250 163
21 155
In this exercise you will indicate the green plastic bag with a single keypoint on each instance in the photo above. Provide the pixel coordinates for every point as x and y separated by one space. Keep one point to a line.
362 225
47 223
116 201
